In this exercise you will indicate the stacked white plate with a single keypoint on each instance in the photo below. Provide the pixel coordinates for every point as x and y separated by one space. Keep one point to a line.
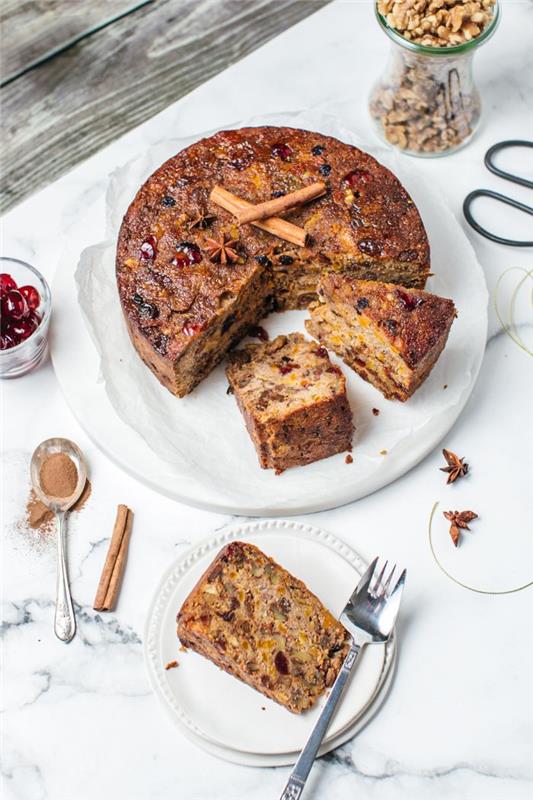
223 715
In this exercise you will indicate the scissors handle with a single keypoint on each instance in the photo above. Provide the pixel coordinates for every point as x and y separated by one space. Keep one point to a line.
508 176
502 199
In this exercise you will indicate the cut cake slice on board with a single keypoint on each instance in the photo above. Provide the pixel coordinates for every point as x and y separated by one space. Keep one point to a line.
391 336
293 400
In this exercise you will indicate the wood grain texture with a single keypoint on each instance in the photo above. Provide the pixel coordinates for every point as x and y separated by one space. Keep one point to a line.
32 31
68 107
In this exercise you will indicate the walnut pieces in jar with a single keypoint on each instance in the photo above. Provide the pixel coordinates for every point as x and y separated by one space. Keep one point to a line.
425 107
426 103
437 23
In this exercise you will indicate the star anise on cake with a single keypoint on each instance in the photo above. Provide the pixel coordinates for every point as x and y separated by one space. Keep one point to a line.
202 220
222 249
457 467
459 520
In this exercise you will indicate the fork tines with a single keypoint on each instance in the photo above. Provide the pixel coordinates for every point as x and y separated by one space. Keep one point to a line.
372 582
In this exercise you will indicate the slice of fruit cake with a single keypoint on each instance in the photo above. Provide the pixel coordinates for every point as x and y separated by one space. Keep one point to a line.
391 336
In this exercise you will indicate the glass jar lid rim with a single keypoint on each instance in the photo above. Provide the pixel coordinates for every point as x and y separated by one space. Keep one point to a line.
424 49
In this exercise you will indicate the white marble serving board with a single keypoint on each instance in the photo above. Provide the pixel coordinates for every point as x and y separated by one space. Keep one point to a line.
197 448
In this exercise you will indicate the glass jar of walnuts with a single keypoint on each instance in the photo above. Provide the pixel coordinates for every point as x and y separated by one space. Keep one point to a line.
426 103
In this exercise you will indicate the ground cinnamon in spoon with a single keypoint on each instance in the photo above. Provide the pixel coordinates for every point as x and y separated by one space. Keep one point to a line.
58 475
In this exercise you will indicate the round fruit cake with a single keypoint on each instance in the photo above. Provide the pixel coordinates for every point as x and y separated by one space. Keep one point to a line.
192 282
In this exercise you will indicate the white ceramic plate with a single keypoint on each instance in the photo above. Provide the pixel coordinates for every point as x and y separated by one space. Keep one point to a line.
284 759
217 708
197 449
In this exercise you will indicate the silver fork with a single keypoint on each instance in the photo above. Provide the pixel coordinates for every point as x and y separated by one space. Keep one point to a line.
369 616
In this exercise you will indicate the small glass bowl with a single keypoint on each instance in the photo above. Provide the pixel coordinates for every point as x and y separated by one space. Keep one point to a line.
27 355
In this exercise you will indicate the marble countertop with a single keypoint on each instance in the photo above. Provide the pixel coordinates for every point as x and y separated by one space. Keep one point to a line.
80 720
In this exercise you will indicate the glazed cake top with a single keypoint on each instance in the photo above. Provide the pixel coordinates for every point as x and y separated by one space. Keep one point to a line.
170 287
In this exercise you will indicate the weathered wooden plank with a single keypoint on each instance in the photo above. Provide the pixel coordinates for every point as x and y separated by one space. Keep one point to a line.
32 31
69 107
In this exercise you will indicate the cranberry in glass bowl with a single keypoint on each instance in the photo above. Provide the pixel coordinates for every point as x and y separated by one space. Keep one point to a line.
24 316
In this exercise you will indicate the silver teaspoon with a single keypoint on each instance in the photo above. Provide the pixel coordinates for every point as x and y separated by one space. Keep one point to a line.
64 620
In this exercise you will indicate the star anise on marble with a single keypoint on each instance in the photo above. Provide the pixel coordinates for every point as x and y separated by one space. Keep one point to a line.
457 467
222 250
458 520
202 220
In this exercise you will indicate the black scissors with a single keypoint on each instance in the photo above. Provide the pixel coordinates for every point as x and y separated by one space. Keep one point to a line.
497 196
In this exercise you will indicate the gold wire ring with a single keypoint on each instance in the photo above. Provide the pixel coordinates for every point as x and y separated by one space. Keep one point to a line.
458 582
510 328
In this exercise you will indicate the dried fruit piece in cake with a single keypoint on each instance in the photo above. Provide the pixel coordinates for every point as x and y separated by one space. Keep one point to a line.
255 620
389 335
293 400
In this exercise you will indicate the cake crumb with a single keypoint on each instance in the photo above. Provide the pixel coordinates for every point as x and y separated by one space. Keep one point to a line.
182 648
172 664
383 452
445 386
375 412
349 459
263 708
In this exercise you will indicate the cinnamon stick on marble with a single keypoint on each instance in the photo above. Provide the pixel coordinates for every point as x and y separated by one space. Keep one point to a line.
279 205
274 225
120 564
109 584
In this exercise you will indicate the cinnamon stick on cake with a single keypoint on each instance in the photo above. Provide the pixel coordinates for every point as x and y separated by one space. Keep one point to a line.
255 620
278 205
391 336
275 225
293 400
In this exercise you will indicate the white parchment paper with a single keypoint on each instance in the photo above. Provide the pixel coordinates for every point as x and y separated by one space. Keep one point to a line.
201 439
